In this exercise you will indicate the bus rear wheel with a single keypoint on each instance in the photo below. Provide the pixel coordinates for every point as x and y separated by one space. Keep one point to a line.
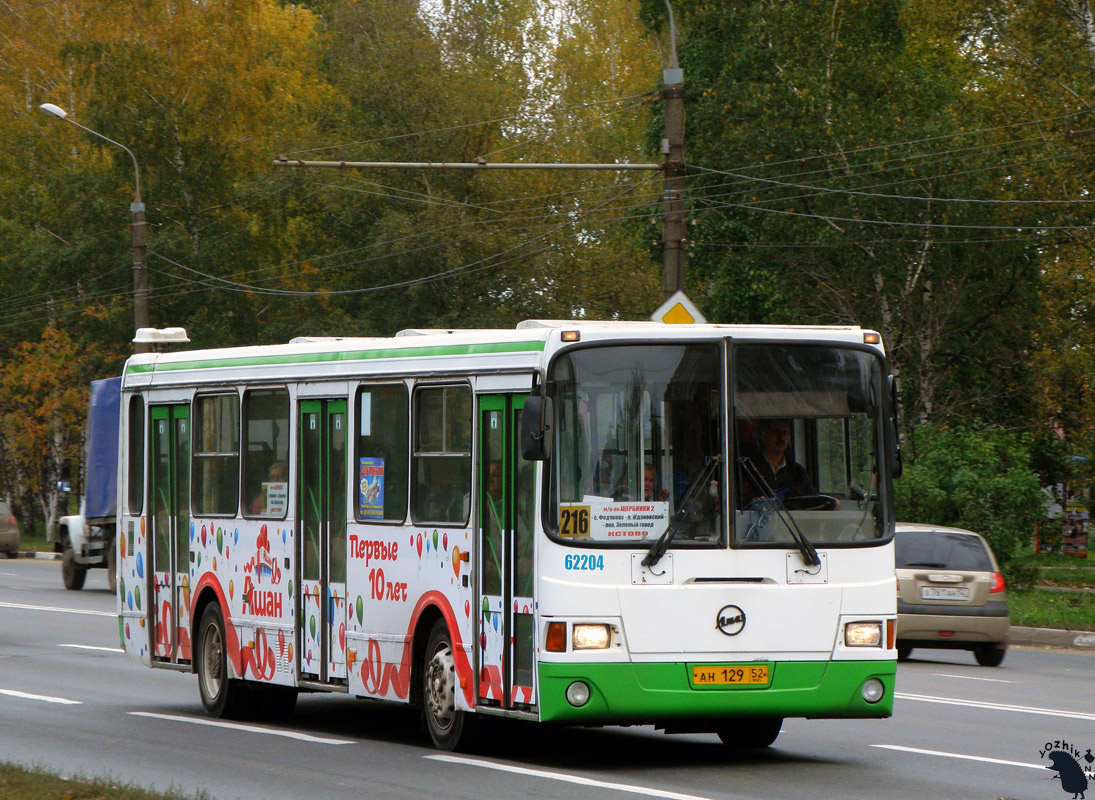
749 733
221 696
448 726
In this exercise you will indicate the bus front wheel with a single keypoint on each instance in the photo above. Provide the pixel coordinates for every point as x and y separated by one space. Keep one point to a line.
221 696
448 726
750 732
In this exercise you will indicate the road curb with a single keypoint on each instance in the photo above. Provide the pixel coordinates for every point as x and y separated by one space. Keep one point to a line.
41 556
1051 637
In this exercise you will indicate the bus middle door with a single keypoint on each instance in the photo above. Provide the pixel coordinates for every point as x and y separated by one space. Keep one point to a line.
170 535
505 546
322 557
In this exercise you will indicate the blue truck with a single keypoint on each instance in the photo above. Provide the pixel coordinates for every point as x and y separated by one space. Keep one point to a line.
86 539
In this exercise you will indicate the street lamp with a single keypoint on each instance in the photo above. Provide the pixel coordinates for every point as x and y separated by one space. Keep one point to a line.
138 225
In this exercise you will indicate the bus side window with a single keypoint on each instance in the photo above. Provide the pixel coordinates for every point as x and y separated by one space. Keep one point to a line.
135 476
442 455
381 453
266 457
215 484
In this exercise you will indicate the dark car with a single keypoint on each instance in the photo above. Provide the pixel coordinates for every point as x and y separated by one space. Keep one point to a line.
9 531
950 593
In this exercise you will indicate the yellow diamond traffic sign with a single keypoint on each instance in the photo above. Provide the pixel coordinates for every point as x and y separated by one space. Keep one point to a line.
678 310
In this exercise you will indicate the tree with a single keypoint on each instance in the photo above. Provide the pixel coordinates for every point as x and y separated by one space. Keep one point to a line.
978 479
43 406
836 179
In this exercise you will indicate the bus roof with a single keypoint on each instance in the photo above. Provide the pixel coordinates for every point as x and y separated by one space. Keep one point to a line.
456 351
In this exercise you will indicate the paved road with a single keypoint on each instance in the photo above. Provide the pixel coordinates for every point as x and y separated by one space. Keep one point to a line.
70 701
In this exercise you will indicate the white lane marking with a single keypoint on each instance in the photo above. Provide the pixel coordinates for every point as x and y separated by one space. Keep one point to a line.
216 723
559 776
45 698
942 754
971 677
949 701
25 607
93 647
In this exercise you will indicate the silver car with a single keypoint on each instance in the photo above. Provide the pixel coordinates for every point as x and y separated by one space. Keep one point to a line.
950 593
9 531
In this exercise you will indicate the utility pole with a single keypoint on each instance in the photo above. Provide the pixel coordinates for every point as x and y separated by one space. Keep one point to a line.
673 227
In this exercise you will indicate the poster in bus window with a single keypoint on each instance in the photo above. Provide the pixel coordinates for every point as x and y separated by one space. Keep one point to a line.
370 495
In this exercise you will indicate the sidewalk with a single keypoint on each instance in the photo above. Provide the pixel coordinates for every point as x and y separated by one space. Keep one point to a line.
1051 637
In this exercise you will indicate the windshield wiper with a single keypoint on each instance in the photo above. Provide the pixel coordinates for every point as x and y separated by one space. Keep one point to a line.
929 564
657 550
809 554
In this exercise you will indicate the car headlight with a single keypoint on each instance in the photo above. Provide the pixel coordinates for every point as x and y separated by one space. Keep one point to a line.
590 636
863 634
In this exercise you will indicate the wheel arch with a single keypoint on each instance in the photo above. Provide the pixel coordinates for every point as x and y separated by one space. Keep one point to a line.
426 620
206 596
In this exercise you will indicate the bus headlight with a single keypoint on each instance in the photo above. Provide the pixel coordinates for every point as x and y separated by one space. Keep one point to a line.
589 636
863 634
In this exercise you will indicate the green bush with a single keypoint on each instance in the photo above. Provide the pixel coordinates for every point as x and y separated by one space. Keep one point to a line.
978 479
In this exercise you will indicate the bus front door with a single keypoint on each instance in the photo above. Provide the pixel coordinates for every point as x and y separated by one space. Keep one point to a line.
506 557
170 535
322 540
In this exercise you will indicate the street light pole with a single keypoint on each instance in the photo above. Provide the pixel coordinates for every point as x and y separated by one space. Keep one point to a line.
138 226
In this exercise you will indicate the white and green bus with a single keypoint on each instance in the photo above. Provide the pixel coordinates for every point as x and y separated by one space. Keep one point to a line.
580 523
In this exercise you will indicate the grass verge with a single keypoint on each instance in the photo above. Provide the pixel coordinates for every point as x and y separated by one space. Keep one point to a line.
1042 608
19 783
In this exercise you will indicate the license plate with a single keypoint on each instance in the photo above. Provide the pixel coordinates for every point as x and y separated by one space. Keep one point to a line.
944 593
730 675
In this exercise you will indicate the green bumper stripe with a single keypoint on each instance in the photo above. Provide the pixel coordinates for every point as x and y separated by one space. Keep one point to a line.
649 693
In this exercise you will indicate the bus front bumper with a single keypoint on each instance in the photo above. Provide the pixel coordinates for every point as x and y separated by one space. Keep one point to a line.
661 693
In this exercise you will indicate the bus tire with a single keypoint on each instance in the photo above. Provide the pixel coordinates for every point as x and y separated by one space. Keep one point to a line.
749 733
221 696
112 566
448 726
72 574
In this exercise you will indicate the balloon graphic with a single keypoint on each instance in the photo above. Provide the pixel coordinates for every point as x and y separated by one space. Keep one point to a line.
456 560
312 625
140 565
226 552
486 605
482 641
214 563
290 587
427 544
418 544
494 620
203 535
236 536
122 543
137 596
231 590
199 559
360 610
445 541
127 630
121 586
342 635
220 540
435 539
467 608
129 600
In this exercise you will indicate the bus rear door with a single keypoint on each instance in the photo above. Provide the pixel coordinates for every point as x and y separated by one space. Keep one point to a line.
170 536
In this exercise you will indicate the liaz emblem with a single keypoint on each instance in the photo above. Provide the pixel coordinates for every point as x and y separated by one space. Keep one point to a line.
730 620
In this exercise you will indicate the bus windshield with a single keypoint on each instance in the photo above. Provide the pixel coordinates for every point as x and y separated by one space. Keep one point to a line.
807 427
639 440
640 443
